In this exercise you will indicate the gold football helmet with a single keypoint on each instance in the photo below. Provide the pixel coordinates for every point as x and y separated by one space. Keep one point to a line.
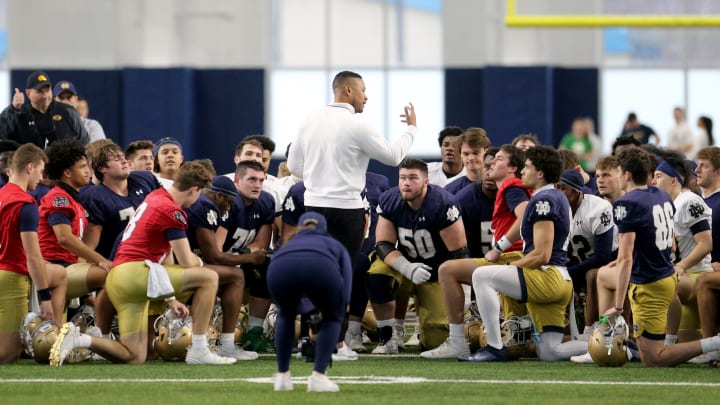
517 335
84 317
43 338
475 333
173 336
29 324
241 324
607 345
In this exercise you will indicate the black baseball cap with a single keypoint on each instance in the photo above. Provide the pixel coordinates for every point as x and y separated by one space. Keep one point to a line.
38 80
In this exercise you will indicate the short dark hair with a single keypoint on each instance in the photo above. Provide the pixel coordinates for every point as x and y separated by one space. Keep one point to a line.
679 163
136 146
342 77
491 151
632 117
547 160
410 163
247 141
245 165
265 141
207 164
449 131
101 158
637 162
624 140
526 137
63 155
516 157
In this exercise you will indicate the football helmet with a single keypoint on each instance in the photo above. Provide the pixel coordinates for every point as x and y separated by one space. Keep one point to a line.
84 317
173 336
269 323
29 324
607 345
517 335
43 338
475 333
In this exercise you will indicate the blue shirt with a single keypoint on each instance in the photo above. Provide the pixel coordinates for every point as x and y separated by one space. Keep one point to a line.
244 221
203 214
548 204
648 212
476 209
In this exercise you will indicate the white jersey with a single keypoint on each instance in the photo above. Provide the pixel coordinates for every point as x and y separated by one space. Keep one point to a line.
593 217
166 183
690 210
437 177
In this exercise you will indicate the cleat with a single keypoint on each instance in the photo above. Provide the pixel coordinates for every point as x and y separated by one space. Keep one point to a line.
345 353
389 347
205 356
320 383
705 358
486 354
64 344
582 359
448 350
237 353
414 340
355 342
283 382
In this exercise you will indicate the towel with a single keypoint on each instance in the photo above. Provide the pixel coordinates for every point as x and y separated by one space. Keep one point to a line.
158 281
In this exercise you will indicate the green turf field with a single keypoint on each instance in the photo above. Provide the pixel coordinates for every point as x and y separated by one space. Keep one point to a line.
370 380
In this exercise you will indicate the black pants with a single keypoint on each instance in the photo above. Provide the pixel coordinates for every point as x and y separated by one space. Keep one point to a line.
345 225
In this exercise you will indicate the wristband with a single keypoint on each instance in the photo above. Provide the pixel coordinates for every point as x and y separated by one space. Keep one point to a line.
502 244
45 294
168 299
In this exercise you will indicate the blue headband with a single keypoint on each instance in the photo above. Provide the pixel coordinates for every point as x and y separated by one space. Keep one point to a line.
667 168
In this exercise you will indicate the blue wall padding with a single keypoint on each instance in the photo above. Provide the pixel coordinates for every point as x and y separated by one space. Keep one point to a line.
464 98
230 104
576 95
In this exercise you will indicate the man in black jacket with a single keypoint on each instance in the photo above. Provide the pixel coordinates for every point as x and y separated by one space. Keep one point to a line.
42 121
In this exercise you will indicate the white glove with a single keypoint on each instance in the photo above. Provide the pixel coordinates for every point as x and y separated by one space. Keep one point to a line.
418 273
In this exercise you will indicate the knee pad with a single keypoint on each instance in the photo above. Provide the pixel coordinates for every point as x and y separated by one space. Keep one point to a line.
381 288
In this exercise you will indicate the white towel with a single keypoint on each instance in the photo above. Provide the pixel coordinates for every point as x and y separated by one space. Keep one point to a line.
158 281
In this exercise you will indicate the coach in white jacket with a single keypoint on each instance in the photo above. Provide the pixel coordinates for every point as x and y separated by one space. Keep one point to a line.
331 154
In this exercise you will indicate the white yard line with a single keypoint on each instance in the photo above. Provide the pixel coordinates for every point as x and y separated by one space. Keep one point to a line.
358 380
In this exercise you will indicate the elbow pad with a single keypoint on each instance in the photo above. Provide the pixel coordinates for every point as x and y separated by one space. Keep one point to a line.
383 249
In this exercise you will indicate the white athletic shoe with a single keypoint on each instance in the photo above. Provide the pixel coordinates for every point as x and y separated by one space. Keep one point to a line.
355 342
345 353
237 353
365 339
389 347
320 383
414 340
582 359
65 343
399 336
705 358
449 349
283 382
205 356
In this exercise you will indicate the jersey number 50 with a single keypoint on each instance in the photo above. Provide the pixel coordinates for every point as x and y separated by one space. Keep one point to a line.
418 243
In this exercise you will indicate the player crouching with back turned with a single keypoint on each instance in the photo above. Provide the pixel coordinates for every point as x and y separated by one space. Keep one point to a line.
158 225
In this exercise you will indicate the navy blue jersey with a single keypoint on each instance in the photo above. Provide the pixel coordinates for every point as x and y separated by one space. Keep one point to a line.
244 221
113 211
418 232
458 184
713 201
294 204
548 204
39 192
476 209
648 212
203 214
375 185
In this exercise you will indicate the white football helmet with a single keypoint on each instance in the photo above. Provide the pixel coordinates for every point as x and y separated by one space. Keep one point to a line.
607 345
269 323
